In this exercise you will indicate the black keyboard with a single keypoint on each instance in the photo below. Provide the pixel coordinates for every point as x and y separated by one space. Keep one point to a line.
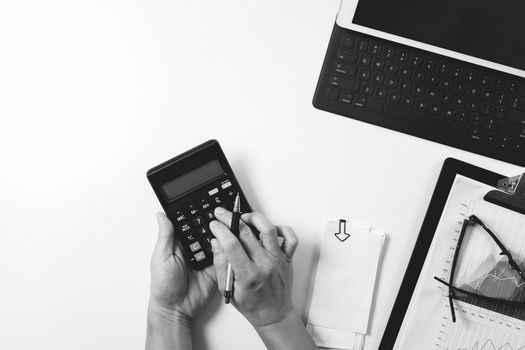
424 94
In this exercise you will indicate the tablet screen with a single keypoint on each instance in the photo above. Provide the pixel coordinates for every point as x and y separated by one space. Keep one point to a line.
487 29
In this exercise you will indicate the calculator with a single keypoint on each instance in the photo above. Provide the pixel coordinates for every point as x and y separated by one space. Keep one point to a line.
189 188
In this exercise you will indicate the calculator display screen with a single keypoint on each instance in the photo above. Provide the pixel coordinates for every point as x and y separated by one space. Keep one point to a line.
192 179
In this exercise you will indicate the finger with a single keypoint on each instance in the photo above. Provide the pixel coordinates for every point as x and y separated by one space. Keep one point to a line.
267 231
248 240
290 241
220 264
164 246
232 249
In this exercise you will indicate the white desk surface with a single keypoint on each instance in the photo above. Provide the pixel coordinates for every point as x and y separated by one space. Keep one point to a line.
93 93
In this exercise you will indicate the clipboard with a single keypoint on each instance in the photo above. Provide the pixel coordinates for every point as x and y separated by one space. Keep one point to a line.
514 199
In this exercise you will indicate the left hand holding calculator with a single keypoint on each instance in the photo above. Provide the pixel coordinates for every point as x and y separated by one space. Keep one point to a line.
189 188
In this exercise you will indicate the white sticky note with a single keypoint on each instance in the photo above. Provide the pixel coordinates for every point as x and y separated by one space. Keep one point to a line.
345 278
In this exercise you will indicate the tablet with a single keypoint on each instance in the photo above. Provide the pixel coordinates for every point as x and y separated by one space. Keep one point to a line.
433 336
482 32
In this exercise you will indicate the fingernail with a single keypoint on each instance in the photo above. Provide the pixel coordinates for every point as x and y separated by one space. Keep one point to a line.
214 245
220 210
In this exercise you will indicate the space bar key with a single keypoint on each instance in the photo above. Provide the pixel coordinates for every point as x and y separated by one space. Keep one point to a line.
421 119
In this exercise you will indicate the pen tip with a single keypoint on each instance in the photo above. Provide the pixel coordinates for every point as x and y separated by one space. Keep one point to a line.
237 204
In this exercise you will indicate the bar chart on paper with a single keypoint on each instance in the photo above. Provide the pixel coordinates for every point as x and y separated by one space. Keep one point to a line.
482 325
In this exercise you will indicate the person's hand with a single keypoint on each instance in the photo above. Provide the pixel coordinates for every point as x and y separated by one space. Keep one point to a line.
177 291
263 270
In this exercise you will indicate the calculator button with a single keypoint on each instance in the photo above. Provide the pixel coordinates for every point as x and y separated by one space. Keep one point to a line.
209 215
209 238
180 217
193 211
185 228
217 200
198 221
226 185
203 230
200 256
190 237
195 246
205 205
214 191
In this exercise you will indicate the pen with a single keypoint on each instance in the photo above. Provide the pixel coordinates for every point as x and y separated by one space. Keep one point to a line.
236 217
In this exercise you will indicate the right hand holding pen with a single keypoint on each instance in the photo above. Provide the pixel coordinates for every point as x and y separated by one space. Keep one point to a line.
263 270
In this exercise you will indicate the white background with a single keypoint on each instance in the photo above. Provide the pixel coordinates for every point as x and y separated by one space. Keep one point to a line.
94 93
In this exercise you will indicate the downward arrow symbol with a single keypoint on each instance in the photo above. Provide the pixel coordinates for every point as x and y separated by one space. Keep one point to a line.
342 235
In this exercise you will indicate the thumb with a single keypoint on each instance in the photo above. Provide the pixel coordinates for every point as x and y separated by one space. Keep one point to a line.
164 245
220 263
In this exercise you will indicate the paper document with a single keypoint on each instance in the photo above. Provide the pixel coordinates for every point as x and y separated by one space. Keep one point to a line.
344 285
479 325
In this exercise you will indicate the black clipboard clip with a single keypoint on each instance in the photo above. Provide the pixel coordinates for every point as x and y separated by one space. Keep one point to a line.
510 194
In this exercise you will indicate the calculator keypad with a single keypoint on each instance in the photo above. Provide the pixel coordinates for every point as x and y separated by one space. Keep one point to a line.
193 216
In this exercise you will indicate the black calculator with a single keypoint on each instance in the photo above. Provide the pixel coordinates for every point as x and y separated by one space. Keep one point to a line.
189 188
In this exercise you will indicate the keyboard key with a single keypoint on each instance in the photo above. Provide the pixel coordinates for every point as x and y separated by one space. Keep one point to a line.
360 102
392 68
362 45
462 116
429 65
443 68
517 117
500 112
389 53
471 76
405 72
473 106
375 49
421 105
403 57
445 97
512 130
198 221
332 94
489 124
433 79
391 82
408 100
348 56
376 106
432 93
345 69
475 120
445 83
364 75
459 87
426 121
503 143
395 97
486 108
378 78
378 64
404 86
516 146
458 101
381 93
419 90
343 83
449 112
347 97
416 61
498 84
500 98
435 108
368 89
489 138
515 102
487 95
484 80
348 42
419 76
457 73
365 60
473 91
513 87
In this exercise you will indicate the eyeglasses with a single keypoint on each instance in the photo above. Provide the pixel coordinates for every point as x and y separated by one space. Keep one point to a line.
456 292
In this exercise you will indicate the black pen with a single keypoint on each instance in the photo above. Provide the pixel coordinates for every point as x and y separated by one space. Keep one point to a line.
236 218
